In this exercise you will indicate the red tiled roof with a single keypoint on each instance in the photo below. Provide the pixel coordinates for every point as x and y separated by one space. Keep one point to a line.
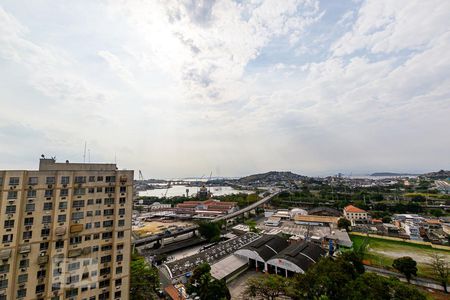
353 209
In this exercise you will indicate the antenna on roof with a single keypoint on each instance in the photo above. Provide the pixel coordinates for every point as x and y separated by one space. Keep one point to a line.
89 155
84 153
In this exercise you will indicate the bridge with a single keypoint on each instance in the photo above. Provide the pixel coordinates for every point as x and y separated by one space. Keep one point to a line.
161 237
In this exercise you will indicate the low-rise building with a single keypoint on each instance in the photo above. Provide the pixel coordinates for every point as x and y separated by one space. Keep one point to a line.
355 215
315 220
273 221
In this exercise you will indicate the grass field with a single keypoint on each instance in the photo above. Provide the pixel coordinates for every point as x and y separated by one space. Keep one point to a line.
382 253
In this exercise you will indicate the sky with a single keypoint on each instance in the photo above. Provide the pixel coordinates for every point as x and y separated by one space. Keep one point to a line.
185 88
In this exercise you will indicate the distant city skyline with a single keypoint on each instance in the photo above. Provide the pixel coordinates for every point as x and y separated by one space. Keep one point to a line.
184 88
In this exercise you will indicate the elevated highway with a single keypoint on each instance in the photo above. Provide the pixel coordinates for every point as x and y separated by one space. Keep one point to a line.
161 237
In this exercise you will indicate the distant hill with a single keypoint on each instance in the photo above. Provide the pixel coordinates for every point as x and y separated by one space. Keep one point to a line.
272 176
391 174
438 175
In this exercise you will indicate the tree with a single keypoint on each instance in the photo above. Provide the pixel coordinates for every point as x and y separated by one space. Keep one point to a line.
252 225
344 223
143 280
206 286
436 212
209 230
406 265
387 219
418 198
441 269
267 287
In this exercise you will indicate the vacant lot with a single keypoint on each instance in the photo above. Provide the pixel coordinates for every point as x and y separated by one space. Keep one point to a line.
383 252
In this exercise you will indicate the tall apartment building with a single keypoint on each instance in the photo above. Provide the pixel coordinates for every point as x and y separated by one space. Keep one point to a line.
65 232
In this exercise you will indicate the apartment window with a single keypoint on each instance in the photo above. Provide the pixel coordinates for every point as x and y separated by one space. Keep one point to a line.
109 201
48 193
106 247
91 190
94 249
29 207
31 193
98 212
64 192
96 236
105 295
88 225
10 209
89 213
105 259
79 191
86 263
108 212
59 244
56 287
24 263
4 268
120 234
77 215
78 203
3 283
120 247
65 180
119 257
91 178
12 194
121 223
105 271
71 293
119 270
80 179
85 276
40 288
74 266
48 206
22 278
98 201
110 190
87 237
50 180
106 235
43 246
121 211
8 224
108 223
122 200
27 235
21 293
117 294
123 189
7 238
28 221
90 202
75 240
32 181
84 288
46 219
14 180
99 178
118 281
45 232
97 224
41 273
62 205
99 189
104 283
61 218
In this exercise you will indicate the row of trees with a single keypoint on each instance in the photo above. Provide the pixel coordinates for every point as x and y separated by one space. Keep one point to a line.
205 286
339 278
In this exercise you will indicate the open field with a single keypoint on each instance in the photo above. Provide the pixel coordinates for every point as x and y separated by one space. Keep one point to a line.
383 252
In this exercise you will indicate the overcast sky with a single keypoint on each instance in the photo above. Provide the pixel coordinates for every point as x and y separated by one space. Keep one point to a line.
183 88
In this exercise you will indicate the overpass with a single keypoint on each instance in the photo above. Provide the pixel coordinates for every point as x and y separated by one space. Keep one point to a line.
160 237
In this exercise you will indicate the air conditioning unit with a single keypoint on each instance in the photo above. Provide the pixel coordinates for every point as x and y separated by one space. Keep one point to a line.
28 227
10 215
64 185
50 186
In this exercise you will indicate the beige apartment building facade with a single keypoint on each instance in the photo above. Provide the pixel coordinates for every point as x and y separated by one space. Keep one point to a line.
65 232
